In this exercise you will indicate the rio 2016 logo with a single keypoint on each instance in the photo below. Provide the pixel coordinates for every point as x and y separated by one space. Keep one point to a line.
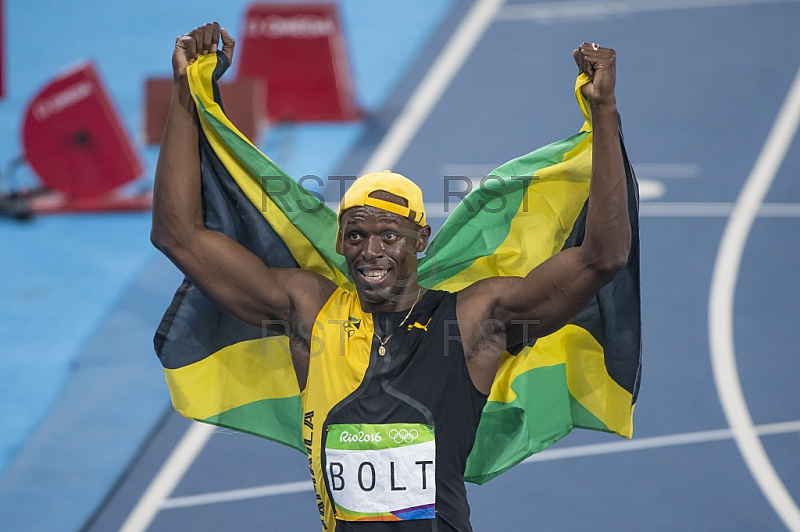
403 435
360 436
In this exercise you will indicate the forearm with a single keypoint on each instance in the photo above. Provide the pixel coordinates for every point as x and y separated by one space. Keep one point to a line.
177 204
606 243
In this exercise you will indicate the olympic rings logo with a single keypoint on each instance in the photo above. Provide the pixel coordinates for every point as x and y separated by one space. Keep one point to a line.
403 435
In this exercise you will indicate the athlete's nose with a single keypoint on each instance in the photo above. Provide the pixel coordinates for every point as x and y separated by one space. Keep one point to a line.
373 248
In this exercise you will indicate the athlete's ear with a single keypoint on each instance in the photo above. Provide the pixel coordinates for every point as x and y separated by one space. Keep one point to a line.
422 238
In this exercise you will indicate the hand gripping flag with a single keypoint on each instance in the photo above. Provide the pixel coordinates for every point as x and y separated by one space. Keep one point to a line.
585 375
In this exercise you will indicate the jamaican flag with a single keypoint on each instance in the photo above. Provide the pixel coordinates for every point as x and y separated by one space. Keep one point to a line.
585 375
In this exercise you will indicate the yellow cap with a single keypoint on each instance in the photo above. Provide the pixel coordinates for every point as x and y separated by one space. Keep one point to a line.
358 195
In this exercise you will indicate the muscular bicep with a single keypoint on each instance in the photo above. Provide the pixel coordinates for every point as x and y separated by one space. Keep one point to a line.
240 283
549 296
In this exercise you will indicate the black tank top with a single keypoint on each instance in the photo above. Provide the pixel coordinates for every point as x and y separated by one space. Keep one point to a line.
422 378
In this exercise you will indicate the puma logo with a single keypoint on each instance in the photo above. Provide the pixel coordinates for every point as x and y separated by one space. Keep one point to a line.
416 325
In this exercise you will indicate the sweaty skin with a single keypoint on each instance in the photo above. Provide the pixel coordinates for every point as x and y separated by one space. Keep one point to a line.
381 248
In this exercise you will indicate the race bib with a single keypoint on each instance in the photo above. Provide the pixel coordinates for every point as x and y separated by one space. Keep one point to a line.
381 472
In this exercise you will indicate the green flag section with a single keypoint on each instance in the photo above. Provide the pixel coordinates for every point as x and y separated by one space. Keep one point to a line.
585 375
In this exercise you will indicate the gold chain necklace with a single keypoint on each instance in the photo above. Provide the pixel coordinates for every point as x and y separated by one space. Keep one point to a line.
381 348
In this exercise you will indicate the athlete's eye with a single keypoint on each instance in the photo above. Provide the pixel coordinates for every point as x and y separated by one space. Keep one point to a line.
389 235
352 236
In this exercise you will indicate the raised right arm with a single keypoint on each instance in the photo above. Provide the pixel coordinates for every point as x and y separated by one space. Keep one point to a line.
223 270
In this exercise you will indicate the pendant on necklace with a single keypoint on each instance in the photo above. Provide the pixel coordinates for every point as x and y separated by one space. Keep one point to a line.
381 350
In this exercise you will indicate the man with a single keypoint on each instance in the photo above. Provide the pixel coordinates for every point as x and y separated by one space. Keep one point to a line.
391 417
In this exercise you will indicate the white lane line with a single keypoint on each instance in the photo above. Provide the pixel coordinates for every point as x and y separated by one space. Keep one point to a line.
654 442
667 170
779 210
171 472
720 308
238 495
710 209
716 209
648 174
650 189
430 90
552 11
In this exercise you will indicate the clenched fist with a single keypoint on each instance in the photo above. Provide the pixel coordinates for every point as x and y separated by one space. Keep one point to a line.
202 40
600 65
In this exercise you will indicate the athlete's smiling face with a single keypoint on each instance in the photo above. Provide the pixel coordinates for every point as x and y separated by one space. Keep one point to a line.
381 252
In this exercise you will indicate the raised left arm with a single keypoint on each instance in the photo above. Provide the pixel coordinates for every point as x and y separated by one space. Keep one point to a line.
559 288
555 291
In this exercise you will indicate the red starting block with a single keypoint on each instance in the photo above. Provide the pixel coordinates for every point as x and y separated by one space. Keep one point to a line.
299 52
243 100
75 142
